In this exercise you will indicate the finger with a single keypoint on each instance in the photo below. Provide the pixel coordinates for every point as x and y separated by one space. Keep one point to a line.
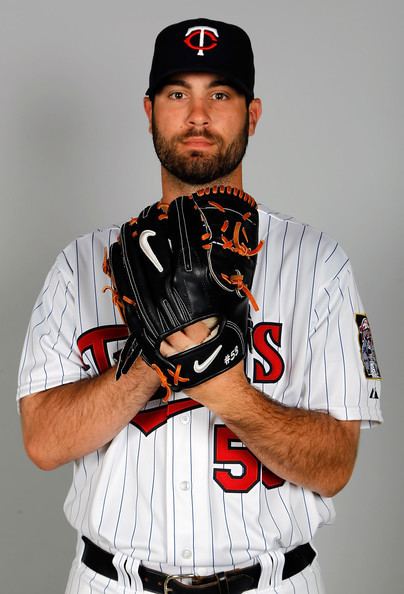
179 341
188 337
166 349
196 332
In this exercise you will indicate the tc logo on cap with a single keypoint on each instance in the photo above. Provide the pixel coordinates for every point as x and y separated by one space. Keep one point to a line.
203 33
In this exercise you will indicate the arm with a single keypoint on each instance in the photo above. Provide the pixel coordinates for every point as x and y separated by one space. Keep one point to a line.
64 423
308 448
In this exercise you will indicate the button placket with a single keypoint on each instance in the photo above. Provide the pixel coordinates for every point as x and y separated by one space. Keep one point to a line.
181 475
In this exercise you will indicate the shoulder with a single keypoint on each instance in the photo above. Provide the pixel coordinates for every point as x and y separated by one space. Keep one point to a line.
285 232
85 247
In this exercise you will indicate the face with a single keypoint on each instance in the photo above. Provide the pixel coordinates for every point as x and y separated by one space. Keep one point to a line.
200 127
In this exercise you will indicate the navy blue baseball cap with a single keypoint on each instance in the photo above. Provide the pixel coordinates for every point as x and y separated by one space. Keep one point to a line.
203 45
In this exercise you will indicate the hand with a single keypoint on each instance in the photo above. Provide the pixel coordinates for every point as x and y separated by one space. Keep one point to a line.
221 391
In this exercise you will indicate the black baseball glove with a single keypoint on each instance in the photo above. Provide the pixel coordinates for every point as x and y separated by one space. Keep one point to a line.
187 262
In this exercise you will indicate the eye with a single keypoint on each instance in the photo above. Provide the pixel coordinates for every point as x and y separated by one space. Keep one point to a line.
220 96
176 95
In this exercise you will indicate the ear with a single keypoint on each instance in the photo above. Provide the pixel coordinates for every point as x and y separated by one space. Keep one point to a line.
254 114
148 108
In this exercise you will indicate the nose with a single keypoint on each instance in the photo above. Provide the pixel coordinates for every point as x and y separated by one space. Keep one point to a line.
198 113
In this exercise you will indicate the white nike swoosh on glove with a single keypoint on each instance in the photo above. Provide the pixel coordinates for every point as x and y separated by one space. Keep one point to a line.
199 367
146 248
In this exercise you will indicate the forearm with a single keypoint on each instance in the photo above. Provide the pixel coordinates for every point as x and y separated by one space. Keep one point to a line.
64 423
308 448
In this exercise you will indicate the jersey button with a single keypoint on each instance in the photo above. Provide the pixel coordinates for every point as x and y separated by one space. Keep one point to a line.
185 419
186 554
184 485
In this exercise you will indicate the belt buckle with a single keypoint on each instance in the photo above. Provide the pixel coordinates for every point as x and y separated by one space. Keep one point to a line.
169 578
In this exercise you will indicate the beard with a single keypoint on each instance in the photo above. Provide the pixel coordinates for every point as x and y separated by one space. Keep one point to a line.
197 167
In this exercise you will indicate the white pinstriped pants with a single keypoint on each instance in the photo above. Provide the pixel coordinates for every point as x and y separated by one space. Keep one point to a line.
83 580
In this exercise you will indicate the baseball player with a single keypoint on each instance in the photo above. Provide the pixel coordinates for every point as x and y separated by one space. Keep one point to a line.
222 488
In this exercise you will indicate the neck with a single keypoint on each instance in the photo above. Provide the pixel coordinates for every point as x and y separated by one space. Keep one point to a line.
172 187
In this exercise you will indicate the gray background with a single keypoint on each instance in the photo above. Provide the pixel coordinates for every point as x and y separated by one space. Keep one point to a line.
75 155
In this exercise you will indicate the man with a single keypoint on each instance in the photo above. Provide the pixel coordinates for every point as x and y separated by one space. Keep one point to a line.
232 478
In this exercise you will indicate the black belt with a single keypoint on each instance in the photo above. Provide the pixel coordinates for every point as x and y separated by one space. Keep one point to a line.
226 582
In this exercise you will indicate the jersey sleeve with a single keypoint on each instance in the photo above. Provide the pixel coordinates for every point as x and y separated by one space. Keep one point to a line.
342 372
50 356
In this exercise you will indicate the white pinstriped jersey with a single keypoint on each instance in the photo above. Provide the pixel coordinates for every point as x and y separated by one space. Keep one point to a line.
176 488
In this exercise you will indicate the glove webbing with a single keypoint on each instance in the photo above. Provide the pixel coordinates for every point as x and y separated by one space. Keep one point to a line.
233 244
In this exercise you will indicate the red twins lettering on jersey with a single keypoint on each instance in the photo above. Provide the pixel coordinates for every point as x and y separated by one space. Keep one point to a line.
151 419
96 341
267 336
207 35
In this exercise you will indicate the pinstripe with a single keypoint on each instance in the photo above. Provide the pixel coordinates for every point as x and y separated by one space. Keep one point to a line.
266 280
265 547
266 272
342 350
276 565
245 526
308 514
72 344
281 272
325 353
275 523
112 303
94 281
123 486
32 330
193 497
47 334
307 585
272 517
137 490
91 581
212 548
350 300
293 313
84 466
33 353
67 262
227 528
78 288
332 253
151 496
290 518
61 318
296 521
84 517
341 269
310 315
322 500
78 491
62 373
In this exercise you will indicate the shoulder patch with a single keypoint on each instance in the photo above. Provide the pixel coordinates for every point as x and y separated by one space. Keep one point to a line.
367 349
